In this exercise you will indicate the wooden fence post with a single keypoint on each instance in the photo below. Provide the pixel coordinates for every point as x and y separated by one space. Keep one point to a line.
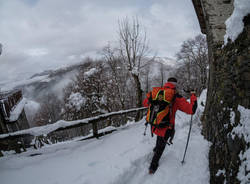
95 129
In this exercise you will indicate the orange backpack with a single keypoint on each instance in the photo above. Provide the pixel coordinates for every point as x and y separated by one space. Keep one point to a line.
160 100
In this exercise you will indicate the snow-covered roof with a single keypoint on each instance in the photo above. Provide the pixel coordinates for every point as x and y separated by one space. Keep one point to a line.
17 110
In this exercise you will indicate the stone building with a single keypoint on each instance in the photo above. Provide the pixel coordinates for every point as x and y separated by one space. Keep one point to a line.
12 116
228 88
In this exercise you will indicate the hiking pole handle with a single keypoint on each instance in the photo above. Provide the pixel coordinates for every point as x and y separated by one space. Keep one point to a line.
190 127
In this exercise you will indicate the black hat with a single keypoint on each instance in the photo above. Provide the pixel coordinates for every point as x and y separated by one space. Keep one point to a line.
172 79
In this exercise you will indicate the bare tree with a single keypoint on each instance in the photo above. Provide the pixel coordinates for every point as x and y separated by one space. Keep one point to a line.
146 73
119 77
133 49
162 73
194 58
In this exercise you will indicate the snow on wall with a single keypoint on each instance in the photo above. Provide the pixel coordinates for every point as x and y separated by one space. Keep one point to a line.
244 174
243 130
234 24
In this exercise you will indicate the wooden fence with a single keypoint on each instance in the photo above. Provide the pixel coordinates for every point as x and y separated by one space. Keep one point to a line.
15 140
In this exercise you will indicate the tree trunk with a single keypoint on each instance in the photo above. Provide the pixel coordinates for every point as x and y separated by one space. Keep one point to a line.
138 96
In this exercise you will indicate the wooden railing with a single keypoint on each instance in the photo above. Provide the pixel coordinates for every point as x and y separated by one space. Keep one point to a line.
14 140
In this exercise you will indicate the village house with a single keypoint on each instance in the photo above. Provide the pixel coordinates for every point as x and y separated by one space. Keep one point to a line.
12 115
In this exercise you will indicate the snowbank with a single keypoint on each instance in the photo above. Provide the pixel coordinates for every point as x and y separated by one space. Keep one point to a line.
234 24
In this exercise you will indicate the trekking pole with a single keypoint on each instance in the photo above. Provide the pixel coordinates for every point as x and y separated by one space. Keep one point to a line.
146 126
187 139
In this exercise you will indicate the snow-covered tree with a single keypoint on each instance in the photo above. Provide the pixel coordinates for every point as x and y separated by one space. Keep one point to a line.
85 97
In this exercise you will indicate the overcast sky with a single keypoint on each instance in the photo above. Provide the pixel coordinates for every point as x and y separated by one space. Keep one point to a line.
46 34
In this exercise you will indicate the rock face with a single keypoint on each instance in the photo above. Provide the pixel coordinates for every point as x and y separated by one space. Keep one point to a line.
228 87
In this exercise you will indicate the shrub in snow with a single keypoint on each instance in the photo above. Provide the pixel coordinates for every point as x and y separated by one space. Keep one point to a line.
76 100
92 71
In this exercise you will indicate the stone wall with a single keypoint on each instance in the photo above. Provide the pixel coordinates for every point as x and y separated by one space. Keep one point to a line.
228 87
231 87
215 14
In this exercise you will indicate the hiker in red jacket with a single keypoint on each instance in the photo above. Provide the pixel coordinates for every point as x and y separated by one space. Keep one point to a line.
165 129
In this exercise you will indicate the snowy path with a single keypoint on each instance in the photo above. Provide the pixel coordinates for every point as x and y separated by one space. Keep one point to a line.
122 157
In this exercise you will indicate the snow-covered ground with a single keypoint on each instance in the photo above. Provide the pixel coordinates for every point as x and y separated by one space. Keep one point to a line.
122 157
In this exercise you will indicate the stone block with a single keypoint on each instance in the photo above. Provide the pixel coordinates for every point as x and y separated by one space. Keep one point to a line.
247 85
246 76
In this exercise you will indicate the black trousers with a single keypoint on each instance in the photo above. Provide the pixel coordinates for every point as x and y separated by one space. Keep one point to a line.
159 149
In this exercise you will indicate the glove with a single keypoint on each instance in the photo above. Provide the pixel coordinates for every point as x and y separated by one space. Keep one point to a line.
193 99
145 102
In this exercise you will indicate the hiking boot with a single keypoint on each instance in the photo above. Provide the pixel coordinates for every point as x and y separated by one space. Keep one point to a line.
151 171
153 167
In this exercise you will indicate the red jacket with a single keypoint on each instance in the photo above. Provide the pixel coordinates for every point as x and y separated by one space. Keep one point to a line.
180 103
